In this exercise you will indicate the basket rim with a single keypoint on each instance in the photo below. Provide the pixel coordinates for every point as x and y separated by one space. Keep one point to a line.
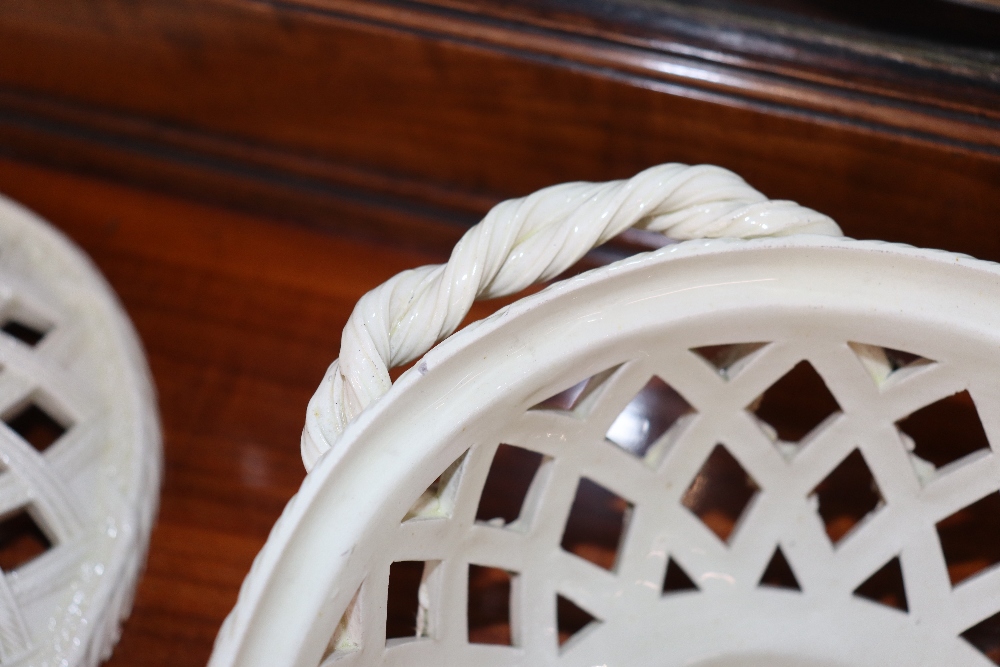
301 515
140 482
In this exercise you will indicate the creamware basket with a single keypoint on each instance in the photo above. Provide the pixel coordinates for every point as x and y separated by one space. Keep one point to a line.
80 453
601 474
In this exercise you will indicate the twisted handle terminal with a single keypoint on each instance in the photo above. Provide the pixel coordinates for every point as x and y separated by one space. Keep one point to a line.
521 242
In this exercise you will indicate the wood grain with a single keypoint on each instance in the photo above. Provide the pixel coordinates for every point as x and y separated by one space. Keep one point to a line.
391 118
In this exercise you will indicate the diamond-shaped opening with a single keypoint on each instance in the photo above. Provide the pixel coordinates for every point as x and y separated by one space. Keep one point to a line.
847 495
511 474
651 413
779 574
728 360
406 606
946 430
720 493
969 538
577 397
676 580
26 333
886 586
985 636
596 525
36 426
885 362
438 500
21 540
571 620
796 404
347 635
489 606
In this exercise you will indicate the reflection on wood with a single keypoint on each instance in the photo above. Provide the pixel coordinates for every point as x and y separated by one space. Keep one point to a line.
386 118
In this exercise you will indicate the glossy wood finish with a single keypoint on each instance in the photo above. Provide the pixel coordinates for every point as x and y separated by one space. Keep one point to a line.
388 118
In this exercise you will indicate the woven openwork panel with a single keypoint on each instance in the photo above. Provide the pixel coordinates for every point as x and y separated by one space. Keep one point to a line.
79 451
664 461
724 453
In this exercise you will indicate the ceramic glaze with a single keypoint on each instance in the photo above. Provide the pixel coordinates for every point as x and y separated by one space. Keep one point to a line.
80 451
701 331
522 242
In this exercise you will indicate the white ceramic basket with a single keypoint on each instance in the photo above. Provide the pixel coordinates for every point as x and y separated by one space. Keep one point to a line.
79 451
627 393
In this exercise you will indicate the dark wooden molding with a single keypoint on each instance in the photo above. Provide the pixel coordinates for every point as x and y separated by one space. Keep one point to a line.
847 44
407 120
962 110
234 173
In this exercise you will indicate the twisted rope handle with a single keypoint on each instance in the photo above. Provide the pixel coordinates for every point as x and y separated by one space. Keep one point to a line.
521 242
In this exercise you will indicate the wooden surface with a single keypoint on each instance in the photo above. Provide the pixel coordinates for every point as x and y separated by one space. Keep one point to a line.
377 117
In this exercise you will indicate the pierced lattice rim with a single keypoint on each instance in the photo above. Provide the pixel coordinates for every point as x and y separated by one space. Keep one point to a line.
110 548
302 571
